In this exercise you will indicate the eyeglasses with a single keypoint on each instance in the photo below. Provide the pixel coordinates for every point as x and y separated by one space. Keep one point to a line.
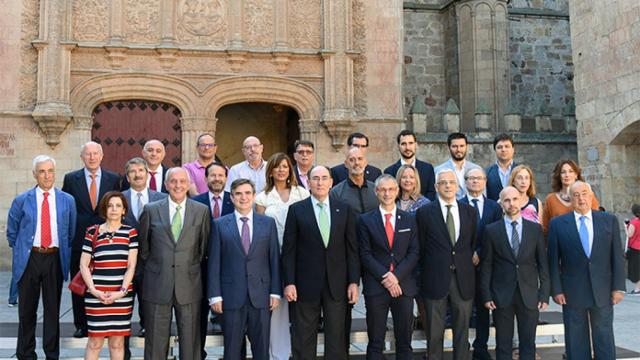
304 152
447 182
475 178
207 146
251 147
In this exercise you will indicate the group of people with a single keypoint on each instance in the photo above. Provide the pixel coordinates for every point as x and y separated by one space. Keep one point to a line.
275 247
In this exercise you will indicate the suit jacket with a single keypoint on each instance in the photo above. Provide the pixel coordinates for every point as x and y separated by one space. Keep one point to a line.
295 171
462 188
163 189
129 218
227 205
491 212
340 173
376 256
501 271
438 256
75 184
233 274
494 184
172 267
585 281
427 177
22 223
305 260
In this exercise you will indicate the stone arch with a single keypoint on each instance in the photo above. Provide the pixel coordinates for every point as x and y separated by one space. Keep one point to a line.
625 126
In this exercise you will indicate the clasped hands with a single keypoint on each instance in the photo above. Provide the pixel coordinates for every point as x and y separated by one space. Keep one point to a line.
107 297
392 284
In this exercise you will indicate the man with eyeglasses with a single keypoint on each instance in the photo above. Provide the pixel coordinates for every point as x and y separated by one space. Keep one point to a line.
206 147
252 168
340 172
304 156
447 234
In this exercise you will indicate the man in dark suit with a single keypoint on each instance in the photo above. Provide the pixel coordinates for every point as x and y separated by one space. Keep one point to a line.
388 243
173 241
87 186
586 266
321 268
153 153
487 211
447 233
303 155
498 174
40 256
514 277
408 146
244 273
138 195
339 173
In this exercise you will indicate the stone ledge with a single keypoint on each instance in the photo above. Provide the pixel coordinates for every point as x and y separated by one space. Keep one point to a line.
546 13
518 138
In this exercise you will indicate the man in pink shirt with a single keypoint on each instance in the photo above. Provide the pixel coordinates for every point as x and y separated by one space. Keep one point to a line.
206 147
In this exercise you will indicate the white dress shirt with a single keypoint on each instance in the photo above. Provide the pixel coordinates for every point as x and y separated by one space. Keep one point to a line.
87 178
326 208
134 201
244 171
392 219
454 212
588 222
172 209
53 217
158 177
480 203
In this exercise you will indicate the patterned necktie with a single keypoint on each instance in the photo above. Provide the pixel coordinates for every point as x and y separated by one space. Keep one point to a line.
451 226
323 224
45 224
246 238
216 207
93 191
584 236
515 238
152 181
176 224
388 228
139 205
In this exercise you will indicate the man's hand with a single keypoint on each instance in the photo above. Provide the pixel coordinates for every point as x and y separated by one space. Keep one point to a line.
560 299
542 305
616 297
273 303
290 293
475 259
490 305
389 280
217 307
395 291
352 293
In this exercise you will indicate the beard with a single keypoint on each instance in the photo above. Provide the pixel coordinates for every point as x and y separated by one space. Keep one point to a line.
458 157
407 154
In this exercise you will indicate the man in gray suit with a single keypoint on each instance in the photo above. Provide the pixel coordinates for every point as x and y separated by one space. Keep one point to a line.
173 243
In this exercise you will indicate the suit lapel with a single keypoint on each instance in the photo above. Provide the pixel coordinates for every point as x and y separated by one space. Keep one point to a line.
165 218
574 236
506 244
379 226
232 228
257 224
335 214
84 191
597 234
441 221
399 224
310 214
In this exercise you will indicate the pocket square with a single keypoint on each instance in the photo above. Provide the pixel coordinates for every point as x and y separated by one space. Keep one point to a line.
404 230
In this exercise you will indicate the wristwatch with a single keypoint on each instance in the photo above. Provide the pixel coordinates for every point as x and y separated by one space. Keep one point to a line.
124 290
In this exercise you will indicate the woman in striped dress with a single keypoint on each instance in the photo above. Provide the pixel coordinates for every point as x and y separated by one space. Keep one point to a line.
108 301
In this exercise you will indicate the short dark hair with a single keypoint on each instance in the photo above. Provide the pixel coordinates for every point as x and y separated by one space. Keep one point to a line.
239 182
405 133
104 203
502 137
456 135
216 163
635 209
203 135
356 135
303 143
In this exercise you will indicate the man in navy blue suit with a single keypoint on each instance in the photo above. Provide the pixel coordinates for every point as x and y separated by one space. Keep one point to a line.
586 267
389 250
498 174
487 211
244 273
408 146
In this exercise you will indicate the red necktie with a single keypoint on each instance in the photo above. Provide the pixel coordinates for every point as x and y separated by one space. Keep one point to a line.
388 228
152 181
45 224
216 207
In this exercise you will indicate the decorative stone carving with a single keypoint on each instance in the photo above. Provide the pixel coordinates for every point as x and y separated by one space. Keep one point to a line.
167 57
28 54
116 55
258 23
236 58
202 22
305 23
340 124
143 21
90 20
281 60
83 122
359 29
52 119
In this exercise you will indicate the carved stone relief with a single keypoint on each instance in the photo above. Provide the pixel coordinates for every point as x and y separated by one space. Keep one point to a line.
142 21
90 20
305 23
202 22
28 54
359 59
258 23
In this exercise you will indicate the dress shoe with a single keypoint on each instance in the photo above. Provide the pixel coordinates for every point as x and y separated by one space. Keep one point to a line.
141 332
481 354
80 333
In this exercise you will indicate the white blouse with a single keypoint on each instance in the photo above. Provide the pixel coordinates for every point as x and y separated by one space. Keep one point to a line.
277 209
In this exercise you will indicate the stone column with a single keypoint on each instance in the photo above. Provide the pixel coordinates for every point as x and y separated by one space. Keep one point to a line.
309 129
569 117
53 112
235 23
168 15
483 58
192 127
282 42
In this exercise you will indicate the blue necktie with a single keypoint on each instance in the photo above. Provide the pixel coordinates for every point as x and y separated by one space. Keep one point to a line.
475 205
584 236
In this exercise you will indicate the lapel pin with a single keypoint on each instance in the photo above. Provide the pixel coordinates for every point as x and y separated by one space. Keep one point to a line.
337 210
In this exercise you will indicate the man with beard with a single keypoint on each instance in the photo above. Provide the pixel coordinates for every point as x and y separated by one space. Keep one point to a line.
356 191
408 146
340 172
252 168
207 148
153 154
457 143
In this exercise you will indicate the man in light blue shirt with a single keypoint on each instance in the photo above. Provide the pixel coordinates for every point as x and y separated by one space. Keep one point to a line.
457 143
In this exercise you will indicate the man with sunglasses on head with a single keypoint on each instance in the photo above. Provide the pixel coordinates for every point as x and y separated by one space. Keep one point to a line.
252 168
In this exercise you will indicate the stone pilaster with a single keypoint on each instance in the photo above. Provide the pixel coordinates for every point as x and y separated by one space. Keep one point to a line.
451 117
282 42
309 129
116 22
167 32
192 128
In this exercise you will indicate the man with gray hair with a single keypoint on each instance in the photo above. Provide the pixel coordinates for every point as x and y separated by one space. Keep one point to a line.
356 190
40 228
87 186
252 168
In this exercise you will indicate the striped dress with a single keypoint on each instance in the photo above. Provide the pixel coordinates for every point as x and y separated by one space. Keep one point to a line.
110 264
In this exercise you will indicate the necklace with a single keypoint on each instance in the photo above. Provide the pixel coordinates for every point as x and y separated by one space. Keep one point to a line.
564 197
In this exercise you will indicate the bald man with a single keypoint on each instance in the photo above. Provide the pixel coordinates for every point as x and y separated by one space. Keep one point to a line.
252 168
356 190
153 153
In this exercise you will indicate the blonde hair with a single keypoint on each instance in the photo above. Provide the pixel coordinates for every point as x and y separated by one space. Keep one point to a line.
531 191
401 171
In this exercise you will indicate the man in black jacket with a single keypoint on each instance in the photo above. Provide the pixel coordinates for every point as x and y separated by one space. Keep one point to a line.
408 146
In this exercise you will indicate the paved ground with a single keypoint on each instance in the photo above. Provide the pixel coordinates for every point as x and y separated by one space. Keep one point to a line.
626 325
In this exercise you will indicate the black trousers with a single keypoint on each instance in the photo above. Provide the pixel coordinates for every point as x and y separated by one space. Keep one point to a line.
304 327
377 311
482 318
43 273
256 323
527 322
79 314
